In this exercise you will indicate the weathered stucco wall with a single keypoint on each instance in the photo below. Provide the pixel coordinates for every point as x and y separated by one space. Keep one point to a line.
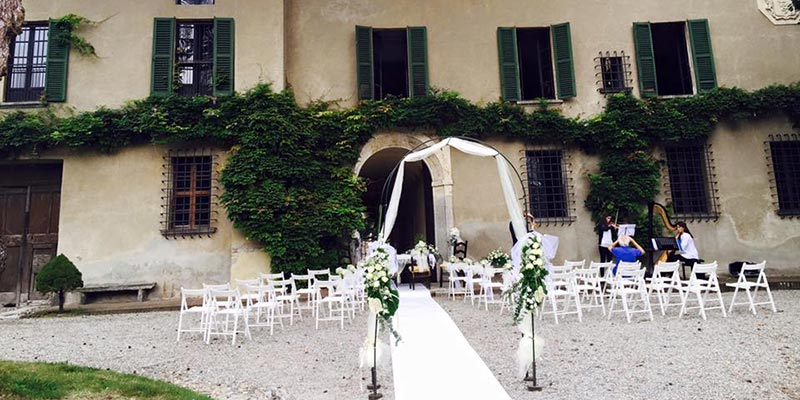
110 227
123 40
749 228
750 52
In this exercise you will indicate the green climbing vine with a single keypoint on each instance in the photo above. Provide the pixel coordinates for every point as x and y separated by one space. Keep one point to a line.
288 181
67 36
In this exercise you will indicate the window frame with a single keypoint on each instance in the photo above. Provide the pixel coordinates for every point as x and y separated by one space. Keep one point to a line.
775 182
623 72
170 193
196 86
551 64
566 208
689 58
674 179
28 94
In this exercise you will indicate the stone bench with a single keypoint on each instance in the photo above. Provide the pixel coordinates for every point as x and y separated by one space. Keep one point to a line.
139 287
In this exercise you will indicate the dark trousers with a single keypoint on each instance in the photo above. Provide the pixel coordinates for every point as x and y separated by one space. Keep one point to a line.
605 254
687 262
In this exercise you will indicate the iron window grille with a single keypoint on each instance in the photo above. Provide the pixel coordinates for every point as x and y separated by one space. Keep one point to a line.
784 157
692 181
613 72
27 64
549 185
194 56
193 2
189 193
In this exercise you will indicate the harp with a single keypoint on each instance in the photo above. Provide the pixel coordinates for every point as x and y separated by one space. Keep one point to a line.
660 243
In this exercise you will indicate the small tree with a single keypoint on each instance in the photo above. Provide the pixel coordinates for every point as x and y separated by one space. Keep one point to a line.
59 276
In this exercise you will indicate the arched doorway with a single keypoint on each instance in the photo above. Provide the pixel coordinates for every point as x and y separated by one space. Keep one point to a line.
415 214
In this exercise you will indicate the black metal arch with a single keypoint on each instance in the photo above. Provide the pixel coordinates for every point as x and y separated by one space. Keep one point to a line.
384 201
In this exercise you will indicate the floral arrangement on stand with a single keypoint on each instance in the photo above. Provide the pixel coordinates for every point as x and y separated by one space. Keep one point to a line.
498 259
525 296
383 301
420 248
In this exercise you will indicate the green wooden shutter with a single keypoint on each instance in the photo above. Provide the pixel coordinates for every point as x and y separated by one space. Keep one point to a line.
645 59
704 71
417 42
366 81
162 71
509 66
224 38
565 70
55 84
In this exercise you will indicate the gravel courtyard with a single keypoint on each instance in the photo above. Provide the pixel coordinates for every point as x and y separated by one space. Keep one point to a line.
296 363
739 357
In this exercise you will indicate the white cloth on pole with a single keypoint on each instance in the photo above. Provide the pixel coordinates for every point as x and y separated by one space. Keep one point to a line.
549 248
468 147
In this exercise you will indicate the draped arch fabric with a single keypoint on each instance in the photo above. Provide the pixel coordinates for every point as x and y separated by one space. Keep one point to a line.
468 147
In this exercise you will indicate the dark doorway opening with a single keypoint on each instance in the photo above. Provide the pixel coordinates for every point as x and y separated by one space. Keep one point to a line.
415 213
30 200
390 61
672 58
535 63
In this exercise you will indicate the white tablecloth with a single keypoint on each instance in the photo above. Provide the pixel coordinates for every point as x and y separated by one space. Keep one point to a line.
405 259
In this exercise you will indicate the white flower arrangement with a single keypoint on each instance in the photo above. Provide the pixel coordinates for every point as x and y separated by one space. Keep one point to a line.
498 259
382 297
529 292
453 259
455 235
349 269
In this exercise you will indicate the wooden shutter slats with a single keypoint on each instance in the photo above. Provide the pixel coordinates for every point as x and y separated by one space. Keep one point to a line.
364 75
704 69
565 70
163 57
417 41
645 59
509 64
57 62
224 44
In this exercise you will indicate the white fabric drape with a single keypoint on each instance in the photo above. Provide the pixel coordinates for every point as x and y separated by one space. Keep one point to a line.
468 147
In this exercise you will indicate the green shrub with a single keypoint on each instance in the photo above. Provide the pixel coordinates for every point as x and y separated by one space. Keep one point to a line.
59 276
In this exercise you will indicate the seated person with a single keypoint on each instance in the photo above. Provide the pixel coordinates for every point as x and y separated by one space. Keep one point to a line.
622 250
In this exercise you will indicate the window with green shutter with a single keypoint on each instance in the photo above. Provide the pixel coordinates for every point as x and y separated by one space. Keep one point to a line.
27 64
391 62
193 58
536 63
55 86
663 47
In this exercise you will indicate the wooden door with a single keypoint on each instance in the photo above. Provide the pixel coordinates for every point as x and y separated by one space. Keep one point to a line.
29 212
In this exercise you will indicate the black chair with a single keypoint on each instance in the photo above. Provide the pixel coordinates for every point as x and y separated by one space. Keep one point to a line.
424 276
460 249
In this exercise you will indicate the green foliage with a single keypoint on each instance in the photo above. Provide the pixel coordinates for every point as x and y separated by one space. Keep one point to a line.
73 22
59 276
288 181
25 380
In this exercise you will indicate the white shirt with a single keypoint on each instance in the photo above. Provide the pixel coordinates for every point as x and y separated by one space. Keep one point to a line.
688 250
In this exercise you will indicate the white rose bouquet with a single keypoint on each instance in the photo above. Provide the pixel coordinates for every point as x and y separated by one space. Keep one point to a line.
498 259
455 235
528 293
382 297
349 269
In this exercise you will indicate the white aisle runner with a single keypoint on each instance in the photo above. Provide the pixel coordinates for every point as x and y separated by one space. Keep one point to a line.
434 360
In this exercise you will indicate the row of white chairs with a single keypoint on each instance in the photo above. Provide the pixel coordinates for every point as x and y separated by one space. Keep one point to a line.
268 300
573 288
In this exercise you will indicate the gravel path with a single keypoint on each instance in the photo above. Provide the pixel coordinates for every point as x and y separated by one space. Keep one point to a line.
296 363
739 357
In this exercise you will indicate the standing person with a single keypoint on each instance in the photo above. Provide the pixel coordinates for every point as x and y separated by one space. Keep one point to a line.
606 235
688 252
530 225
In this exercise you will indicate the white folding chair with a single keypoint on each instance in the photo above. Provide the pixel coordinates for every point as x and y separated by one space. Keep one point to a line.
664 283
457 285
628 283
588 281
194 296
242 284
472 276
562 286
285 295
269 277
228 304
488 284
610 278
743 283
304 288
701 288
321 274
334 299
509 279
262 303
